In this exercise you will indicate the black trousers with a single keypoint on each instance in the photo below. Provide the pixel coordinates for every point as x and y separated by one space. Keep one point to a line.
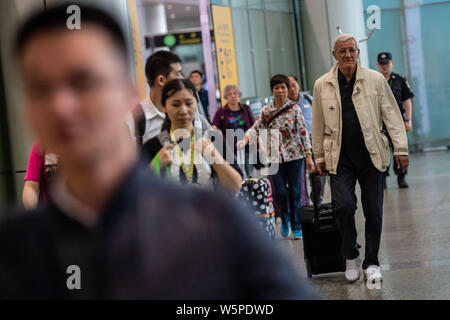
344 201
320 187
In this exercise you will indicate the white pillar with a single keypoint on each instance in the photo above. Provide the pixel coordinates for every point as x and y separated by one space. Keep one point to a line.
154 21
349 16
319 22
207 53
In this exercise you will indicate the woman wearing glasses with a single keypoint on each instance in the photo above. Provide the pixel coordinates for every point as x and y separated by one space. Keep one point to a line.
234 116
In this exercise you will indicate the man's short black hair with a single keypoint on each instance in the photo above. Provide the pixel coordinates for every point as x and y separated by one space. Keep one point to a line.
158 64
56 17
277 79
198 72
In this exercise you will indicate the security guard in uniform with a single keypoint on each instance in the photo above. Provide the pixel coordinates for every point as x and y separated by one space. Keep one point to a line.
403 94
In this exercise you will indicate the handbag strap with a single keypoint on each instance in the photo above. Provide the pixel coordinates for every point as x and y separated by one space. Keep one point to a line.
279 113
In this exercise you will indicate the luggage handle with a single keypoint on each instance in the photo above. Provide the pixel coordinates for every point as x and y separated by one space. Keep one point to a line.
315 204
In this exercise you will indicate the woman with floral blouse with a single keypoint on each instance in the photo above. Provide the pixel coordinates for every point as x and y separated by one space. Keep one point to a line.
284 120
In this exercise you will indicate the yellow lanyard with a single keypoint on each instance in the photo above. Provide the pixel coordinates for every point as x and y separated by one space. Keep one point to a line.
188 169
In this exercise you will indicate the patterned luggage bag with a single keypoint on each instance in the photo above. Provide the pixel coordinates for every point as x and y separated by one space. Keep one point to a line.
256 195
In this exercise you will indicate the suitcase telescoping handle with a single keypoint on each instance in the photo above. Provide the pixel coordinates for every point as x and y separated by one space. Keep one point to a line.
314 194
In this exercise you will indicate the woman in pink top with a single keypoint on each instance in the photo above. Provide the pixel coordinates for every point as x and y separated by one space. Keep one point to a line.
40 169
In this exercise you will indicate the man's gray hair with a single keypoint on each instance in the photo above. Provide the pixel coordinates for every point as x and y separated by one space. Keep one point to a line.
232 86
344 37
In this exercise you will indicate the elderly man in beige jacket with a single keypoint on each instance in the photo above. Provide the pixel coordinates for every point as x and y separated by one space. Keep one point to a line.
350 105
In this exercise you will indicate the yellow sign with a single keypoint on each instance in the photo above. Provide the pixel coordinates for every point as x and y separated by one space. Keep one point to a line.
140 76
225 50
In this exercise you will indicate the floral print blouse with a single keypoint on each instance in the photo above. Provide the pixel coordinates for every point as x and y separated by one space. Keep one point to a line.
290 128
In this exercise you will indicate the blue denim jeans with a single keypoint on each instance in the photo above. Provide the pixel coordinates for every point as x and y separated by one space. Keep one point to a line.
288 190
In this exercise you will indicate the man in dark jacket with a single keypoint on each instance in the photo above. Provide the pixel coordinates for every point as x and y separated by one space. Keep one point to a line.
403 95
110 231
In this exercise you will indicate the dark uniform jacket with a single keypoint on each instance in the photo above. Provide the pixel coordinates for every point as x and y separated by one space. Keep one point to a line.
155 240
401 90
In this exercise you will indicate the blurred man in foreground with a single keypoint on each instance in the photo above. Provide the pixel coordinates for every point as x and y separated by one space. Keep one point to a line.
110 231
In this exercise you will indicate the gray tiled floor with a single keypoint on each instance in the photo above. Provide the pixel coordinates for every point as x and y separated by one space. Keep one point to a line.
415 245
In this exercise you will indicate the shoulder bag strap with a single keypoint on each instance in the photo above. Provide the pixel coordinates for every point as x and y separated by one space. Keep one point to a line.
279 113
307 97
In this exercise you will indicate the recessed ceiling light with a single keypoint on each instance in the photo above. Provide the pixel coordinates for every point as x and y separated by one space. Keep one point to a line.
172 16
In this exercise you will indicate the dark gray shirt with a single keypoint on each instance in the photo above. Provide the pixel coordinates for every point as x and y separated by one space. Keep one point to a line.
155 240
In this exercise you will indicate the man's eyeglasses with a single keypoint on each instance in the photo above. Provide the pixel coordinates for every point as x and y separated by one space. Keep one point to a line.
344 50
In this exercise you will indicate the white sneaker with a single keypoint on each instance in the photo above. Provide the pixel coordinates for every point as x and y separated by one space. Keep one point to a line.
373 274
352 269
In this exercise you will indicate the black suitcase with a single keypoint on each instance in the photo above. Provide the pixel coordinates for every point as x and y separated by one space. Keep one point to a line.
321 238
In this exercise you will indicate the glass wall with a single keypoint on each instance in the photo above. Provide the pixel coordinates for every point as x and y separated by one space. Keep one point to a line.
266 44
416 33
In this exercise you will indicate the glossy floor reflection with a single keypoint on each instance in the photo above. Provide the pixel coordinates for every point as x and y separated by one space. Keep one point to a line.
415 244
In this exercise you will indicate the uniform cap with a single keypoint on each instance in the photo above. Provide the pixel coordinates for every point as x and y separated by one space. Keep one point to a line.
384 57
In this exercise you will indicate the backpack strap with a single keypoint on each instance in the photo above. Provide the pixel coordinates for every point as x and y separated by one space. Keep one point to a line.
308 97
139 124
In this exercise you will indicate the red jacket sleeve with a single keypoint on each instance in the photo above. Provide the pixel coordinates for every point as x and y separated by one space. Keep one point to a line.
34 164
